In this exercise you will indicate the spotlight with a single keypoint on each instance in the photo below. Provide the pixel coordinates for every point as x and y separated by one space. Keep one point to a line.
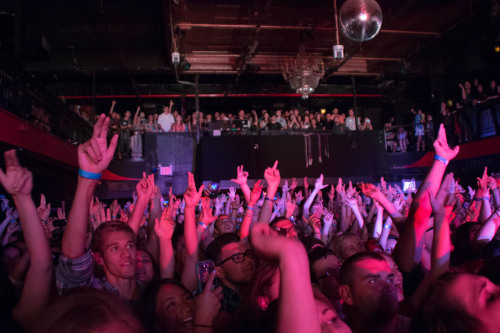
496 48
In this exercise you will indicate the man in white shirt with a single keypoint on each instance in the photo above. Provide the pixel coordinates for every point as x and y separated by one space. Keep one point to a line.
166 120
350 121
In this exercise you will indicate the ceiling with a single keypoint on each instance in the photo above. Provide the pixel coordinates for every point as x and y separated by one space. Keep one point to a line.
105 47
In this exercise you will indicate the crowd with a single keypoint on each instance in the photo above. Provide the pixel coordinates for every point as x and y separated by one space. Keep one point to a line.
130 129
474 113
308 258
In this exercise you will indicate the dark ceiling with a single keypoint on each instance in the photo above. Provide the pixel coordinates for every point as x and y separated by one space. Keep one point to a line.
124 47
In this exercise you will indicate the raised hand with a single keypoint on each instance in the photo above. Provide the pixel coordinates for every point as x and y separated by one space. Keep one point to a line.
482 183
206 216
95 155
294 184
472 192
370 190
207 304
443 198
306 184
164 228
315 224
232 193
492 183
272 176
285 187
441 145
255 194
61 214
241 176
299 197
145 187
44 209
383 185
318 184
192 196
331 193
16 180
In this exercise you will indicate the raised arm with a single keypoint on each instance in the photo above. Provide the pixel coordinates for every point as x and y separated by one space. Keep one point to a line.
164 229
144 191
94 157
249 211
18 182
112 108
442 205
318 186
241 179
272 176
192 233
409 248
297 309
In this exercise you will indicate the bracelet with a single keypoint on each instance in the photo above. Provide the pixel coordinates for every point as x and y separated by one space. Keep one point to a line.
207 326
250 208
113 216
203 225
441 159
478 199
386 226
268 199
486 198
89 175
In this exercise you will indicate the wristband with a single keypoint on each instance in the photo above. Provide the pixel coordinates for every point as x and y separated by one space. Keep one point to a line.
250 208
478 199
268 199
113 216
441 159
203 225
486 198
89 175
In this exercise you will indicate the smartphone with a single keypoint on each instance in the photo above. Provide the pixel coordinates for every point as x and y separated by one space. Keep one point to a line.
204 269
214 189
165 203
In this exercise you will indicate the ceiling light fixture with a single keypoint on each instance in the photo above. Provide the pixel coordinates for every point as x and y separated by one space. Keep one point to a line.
303 73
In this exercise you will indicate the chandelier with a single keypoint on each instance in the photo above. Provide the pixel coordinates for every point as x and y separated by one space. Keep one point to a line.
303 73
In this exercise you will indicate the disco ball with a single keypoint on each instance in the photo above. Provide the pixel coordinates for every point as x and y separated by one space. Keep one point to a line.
360 19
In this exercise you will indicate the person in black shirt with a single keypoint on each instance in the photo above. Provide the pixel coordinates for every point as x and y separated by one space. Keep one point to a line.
273 125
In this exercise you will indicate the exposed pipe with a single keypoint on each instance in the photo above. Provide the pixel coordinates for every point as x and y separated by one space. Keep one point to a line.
188 26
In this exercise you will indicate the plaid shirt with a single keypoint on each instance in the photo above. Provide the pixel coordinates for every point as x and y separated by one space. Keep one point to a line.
230 300
78 272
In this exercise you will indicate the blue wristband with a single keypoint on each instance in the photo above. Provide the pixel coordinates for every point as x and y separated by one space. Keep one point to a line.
441 159
250 208
89 175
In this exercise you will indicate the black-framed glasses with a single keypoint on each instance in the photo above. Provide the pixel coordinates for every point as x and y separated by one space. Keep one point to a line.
238 258
285 231
332 271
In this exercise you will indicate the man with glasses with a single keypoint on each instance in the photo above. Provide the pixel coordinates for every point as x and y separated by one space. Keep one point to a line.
234 266
325 267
